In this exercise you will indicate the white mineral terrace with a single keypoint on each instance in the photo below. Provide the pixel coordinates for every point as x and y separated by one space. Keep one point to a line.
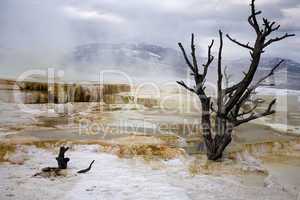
114 178
263 161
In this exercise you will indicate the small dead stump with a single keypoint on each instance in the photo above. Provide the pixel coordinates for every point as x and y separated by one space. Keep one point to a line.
62 162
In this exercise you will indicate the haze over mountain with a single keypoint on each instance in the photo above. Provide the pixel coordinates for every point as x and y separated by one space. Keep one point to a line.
149 62
144 60
153 62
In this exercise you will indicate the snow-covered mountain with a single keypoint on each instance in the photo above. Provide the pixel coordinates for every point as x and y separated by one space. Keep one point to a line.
133 59
147 60
102 52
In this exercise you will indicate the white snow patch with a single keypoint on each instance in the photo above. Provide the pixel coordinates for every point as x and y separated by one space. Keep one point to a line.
115 178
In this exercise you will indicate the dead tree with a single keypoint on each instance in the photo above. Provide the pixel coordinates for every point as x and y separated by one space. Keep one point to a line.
230 101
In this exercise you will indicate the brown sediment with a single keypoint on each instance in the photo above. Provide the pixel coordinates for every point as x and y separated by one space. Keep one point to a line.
273 147
226 167
40 92
170 140
147 102
149 151
147 147
7 82
4 149
51 122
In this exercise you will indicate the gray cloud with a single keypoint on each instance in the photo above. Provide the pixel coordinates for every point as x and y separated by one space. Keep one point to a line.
39 32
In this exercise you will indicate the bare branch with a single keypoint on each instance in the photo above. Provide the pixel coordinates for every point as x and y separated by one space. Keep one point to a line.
193 53
277 39
271 73
267 112
251 89
186 87
269 27
239 43
231 89
210 58
256 103
252 18
185 57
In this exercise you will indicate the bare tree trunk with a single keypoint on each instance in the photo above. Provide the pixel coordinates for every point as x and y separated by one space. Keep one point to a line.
216 145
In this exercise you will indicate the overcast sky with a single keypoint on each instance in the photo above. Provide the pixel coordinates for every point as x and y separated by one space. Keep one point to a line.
40 31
